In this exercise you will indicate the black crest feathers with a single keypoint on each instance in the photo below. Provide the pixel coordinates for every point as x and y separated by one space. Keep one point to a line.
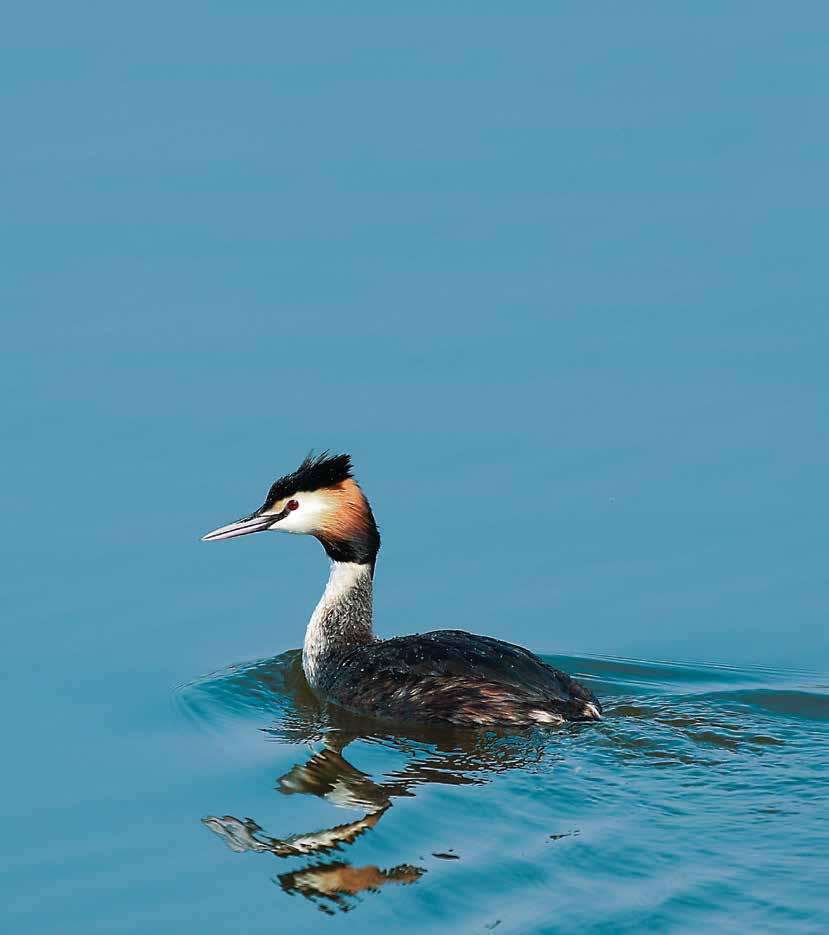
315 472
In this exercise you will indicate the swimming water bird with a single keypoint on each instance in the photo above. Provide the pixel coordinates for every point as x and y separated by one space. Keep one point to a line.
443 677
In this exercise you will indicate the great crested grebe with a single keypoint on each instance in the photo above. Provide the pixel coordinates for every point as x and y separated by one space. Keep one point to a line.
446 676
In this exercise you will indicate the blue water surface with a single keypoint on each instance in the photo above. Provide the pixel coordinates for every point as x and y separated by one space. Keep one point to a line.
555 277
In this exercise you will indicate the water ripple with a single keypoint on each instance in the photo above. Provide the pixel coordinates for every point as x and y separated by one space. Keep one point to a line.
699 782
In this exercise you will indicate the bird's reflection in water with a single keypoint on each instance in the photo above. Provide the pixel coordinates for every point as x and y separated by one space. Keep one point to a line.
329 885
454 757
710 725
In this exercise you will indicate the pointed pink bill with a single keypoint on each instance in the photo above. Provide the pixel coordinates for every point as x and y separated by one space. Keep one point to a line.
242 527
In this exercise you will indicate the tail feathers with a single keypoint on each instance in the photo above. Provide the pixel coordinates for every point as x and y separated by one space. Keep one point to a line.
579 711
591 712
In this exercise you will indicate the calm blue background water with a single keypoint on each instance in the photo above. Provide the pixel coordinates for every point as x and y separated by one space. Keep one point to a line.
556 278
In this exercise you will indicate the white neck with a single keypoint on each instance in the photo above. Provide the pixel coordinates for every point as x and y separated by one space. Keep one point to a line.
342 618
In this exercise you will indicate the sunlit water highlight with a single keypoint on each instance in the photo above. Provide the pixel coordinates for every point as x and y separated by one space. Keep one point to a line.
700 800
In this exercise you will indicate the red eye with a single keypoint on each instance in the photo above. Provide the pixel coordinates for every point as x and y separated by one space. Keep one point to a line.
292 505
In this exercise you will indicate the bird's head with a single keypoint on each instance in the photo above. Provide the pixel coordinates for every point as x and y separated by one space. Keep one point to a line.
320 498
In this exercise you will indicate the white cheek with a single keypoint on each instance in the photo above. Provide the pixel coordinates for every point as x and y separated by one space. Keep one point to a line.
294 522
305 519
